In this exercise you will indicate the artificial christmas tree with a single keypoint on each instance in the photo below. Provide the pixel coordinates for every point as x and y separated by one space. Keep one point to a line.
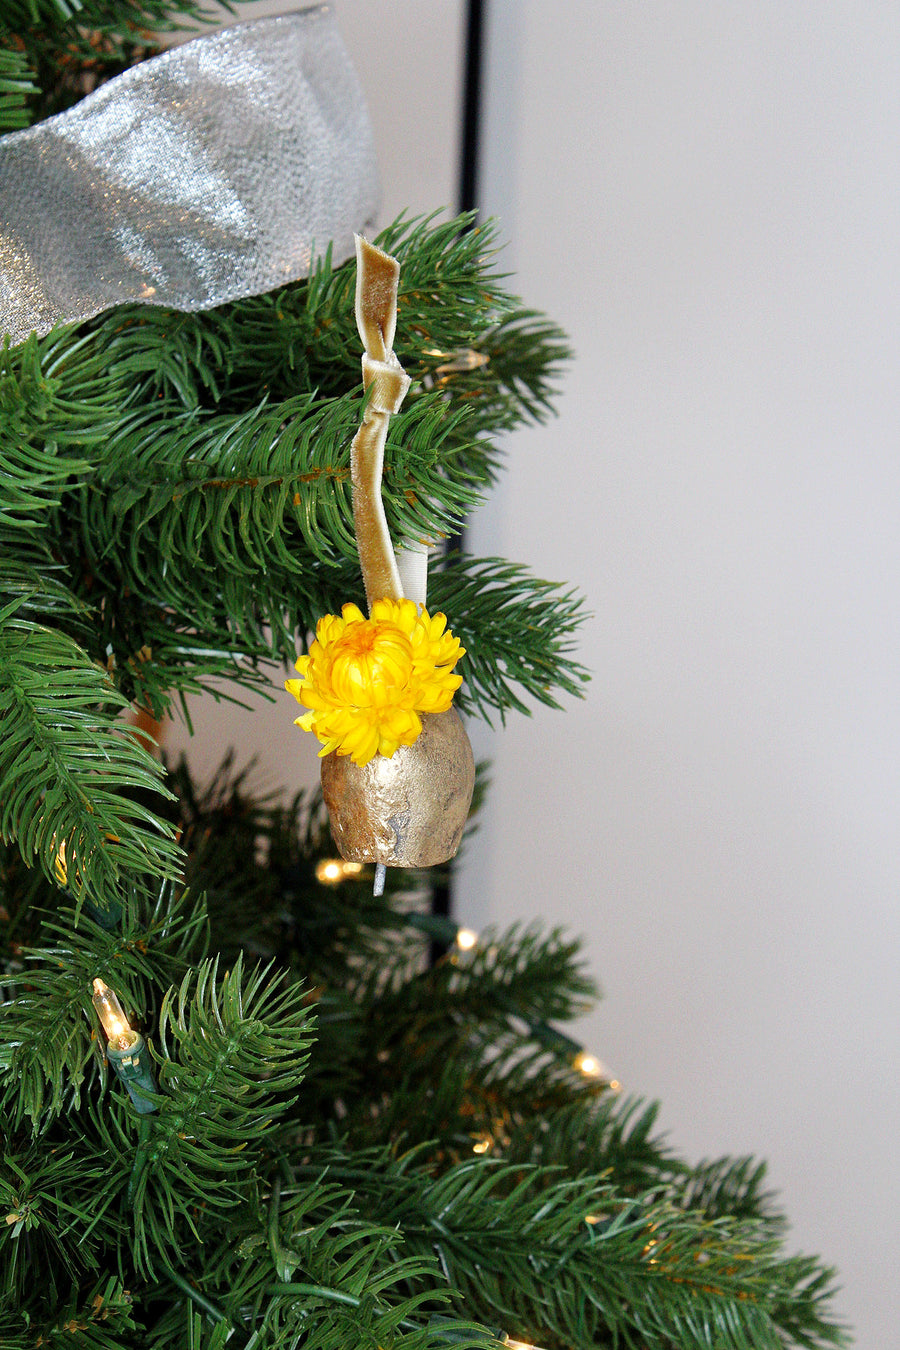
240 1104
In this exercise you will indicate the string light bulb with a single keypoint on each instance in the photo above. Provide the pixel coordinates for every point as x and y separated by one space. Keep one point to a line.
115 1023
126 1050
332 870
587 1064
466 939
328 871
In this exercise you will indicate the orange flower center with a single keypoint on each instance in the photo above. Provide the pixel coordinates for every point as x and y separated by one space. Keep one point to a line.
370 664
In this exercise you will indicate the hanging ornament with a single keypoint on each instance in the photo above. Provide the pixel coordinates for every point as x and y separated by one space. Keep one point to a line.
397 767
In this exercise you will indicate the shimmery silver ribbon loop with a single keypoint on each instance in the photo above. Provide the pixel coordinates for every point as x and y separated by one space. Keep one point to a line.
204 174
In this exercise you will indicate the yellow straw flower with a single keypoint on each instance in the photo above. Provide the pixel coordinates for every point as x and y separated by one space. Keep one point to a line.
365 681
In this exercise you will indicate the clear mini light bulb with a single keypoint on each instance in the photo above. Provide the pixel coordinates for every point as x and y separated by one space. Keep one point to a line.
115 1023
329 871
127 1052
588 1065
332 870
466 939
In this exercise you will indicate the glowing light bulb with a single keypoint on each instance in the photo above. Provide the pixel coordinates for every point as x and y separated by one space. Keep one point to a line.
115 1023
466 939
482 1145
329 871
587 1064
332 870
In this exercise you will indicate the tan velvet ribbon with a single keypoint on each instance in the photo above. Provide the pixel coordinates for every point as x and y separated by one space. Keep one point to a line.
386 382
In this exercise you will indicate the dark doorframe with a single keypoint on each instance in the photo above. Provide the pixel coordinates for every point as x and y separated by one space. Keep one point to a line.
467 200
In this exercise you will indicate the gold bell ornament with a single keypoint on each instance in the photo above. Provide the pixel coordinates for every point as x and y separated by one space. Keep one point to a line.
397 767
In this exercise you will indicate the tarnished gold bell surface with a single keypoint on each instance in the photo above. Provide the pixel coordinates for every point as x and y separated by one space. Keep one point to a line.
409 810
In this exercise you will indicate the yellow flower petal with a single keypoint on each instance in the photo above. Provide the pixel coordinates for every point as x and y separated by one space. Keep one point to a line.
365 681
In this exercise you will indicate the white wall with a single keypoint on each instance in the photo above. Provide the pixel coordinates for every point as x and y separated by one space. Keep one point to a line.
707 197
410 61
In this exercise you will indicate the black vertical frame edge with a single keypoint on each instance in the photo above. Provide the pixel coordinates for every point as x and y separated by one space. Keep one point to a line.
467 200
476 14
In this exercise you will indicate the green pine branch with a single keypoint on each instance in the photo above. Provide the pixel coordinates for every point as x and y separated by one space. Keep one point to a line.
232 1051
96 1318
519 633
48 1199
198 501
48 1054
306 1261
181 505
576 1229
65 766
620 1130
16 84
459 332
731 1186
102 16
569 1261
72 46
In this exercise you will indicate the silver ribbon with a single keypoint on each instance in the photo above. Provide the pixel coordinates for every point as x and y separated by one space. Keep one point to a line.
211 172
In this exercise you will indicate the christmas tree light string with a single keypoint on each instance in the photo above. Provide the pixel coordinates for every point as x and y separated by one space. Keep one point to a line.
458 939
129 1055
